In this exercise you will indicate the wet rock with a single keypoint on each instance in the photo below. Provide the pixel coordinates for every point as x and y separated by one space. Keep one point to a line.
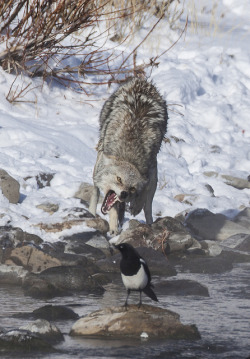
211 248
243 218
118 322
244 246
12 274
204 265
181 287
55 312
204 224
61 281
17 340
9 187
156 260
44 330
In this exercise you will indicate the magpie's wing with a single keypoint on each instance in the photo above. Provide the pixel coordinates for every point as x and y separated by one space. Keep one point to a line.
145 266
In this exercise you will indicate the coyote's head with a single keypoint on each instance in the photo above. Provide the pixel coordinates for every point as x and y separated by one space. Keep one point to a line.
119 180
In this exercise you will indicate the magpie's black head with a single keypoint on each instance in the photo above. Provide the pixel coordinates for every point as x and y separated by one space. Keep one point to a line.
126 250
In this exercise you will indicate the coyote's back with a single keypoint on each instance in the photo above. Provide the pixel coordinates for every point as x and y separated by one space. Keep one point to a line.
133 122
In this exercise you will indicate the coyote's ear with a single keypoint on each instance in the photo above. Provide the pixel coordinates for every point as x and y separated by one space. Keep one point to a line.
107 160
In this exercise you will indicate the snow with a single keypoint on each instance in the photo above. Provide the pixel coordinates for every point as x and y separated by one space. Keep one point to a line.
205 79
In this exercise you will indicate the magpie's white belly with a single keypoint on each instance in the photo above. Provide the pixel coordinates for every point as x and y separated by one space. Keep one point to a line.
137 281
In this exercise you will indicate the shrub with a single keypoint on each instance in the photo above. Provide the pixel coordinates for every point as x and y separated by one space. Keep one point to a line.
67 40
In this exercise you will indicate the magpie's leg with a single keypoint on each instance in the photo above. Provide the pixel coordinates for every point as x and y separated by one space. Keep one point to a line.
140 302
126 301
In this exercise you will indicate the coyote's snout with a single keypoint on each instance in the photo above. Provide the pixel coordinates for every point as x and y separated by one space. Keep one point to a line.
133 122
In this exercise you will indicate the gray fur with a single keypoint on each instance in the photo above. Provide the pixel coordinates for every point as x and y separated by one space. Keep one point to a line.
133 122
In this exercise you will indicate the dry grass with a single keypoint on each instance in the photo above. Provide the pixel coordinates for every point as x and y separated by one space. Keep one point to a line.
41 38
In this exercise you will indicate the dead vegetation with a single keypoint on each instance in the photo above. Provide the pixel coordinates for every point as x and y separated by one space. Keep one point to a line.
69 41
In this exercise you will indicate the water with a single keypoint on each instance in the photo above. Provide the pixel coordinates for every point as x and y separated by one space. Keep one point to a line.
223 320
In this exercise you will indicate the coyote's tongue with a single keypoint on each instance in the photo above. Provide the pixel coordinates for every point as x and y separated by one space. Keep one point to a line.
109 201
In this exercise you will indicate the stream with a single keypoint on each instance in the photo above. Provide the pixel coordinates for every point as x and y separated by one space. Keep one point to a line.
223 320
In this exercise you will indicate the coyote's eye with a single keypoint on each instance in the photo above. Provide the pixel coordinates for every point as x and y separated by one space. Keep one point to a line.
132 189
119 179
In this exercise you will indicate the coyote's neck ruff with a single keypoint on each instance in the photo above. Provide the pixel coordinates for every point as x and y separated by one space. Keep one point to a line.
133 123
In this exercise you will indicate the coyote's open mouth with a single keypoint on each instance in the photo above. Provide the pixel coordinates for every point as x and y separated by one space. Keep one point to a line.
110 199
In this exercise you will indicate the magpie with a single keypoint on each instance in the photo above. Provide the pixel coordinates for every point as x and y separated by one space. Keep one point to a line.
135 273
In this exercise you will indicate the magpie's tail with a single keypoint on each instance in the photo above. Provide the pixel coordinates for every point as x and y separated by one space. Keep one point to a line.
150 293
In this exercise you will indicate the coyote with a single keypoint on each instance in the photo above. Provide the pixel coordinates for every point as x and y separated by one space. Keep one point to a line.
133 122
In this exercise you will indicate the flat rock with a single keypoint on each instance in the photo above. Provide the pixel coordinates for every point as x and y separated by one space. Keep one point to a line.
61 281
181 287
119 322
206 225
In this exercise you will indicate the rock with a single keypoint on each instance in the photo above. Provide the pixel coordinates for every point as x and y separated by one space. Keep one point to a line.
118 322
9 187
139 236
60 226
186 198
236 182
244 246
44 179
205 265
11 237
32 259
55 312
243 218
78 247
61 281
48 207
75 216
91 244
45 330
99 224
165 234
12 274
22 341
158 262
84 193
211 248
204 224
181 287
